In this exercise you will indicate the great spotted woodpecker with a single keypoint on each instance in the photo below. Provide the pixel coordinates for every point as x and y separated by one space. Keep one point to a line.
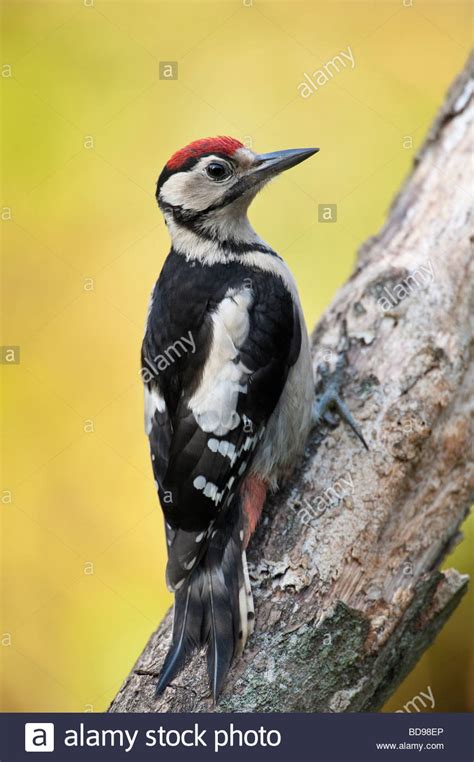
229 390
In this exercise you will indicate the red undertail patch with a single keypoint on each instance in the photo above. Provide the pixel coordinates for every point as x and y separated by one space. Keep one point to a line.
253 491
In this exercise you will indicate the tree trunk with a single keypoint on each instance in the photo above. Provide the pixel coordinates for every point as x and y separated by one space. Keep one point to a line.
344 565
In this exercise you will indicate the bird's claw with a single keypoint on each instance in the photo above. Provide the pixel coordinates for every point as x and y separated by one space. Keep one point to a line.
330 401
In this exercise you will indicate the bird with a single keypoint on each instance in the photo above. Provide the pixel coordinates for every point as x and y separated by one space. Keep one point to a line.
229 390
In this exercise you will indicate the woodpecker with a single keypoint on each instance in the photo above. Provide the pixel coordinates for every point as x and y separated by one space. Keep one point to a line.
229 390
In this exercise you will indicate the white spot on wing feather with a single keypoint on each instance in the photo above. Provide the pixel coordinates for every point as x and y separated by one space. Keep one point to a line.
153 402
199 482
210 490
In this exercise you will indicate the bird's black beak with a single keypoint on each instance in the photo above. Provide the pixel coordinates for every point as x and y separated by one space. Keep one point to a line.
267 165
264 167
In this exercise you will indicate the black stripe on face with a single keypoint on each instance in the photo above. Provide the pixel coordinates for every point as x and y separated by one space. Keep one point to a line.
186 217
194 223
193 220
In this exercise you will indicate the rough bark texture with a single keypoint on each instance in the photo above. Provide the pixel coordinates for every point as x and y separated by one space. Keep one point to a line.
344 565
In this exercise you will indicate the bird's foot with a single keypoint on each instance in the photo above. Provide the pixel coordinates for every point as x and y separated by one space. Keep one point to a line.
329 400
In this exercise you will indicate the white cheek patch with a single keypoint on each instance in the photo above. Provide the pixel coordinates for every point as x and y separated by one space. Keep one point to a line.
214 404
193 189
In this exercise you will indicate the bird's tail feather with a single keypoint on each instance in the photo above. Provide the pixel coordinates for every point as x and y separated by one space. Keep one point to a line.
214 608
186 632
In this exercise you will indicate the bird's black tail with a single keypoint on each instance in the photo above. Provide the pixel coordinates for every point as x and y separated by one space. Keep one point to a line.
213 608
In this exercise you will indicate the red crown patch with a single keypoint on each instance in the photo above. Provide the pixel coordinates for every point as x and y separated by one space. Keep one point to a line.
198 148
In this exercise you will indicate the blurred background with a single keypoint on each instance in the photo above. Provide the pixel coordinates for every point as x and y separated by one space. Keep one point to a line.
91 113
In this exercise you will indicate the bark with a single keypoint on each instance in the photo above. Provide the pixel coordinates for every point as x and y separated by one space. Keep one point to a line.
344 565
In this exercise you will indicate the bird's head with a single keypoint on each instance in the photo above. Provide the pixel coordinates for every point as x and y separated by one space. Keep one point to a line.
208 185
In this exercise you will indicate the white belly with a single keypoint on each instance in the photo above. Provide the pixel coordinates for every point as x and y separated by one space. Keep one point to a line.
290 423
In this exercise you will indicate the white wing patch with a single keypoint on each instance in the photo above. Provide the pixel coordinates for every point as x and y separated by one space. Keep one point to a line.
214 404
153 402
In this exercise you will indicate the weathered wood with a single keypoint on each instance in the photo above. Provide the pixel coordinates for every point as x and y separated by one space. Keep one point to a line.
344 565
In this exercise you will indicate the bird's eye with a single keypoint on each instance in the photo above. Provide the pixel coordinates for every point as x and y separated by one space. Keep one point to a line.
218 171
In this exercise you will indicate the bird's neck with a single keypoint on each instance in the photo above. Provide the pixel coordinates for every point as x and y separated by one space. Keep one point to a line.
224 234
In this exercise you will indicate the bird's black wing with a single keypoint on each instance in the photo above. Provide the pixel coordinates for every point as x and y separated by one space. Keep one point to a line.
219 342
222 346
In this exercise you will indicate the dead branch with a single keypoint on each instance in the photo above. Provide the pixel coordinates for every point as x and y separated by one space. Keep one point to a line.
345 563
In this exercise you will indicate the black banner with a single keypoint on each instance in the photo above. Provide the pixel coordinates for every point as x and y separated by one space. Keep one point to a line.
227 737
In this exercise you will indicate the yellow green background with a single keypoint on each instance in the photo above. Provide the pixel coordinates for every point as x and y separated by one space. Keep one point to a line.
88 125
